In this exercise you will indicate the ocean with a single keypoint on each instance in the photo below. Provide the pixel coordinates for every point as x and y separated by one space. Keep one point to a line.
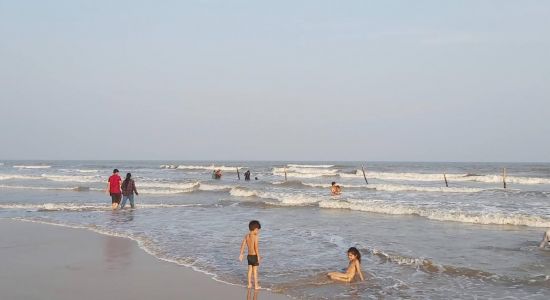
419 239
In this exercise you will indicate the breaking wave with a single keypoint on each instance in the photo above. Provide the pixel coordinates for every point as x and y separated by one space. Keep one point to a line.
84 207
203 168
273 198
382 187
450 177
76 189
14 176
32 167
383 207
404 188
309 166
69 178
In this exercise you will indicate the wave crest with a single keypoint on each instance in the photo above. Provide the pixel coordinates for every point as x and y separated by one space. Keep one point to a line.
383 207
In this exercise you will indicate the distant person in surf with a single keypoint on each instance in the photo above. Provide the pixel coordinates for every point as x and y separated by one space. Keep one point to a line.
218 174
354 267
247 175
545 239
113 189
250 241
335 189
128 190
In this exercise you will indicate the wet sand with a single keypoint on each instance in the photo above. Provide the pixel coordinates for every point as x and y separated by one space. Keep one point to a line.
42 261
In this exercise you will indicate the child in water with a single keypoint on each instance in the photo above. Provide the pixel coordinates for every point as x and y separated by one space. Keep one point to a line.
354 267
335 189
251 242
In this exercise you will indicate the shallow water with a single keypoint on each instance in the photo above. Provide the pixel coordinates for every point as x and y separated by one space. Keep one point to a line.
419 239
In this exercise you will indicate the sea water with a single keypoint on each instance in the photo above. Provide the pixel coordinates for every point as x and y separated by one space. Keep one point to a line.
419 239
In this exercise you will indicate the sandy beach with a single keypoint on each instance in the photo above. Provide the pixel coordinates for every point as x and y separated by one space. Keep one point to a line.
42 261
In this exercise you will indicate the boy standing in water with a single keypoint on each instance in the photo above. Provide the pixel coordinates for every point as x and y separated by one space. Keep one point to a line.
251 242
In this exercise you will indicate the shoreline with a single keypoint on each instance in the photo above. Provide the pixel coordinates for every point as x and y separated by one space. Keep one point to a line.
56 261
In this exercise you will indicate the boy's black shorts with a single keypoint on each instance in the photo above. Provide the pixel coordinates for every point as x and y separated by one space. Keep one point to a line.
253 260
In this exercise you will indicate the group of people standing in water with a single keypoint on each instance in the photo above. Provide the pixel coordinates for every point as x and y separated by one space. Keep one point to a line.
121 190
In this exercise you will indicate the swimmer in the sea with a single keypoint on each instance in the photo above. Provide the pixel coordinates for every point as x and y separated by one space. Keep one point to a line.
335 189
354 267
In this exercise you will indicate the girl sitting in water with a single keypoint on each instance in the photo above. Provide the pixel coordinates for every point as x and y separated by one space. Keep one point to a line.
354 267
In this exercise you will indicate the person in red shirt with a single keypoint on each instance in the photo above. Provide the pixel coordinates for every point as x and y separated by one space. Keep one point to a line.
113 188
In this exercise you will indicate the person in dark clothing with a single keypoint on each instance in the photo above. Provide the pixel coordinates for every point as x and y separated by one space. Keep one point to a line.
128 190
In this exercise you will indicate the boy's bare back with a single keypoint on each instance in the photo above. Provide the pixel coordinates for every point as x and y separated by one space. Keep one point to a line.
251 243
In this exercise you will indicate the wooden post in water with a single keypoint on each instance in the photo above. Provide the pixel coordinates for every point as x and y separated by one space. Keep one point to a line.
285 173
504 177
446 183
238 174
364 176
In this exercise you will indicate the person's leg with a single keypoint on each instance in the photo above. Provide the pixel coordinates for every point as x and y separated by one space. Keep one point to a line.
256 284
118 197
249 276
132 204
114 203
123 203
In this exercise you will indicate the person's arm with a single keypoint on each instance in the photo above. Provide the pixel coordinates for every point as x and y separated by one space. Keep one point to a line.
351 273
544 240
257 249
358 268
241 256
134 187
108 187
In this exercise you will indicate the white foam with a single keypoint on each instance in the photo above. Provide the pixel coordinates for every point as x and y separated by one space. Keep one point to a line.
32 167
492 178
210 187
71 178
288 199
404 188
310 166
242 192
168 185
166 188
311 171
328 185
14 176
87 171
57 206
400 188
383 207
19 187
161 191
209 168
87 206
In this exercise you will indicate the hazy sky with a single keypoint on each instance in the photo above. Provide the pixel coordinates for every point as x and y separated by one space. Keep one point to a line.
275 80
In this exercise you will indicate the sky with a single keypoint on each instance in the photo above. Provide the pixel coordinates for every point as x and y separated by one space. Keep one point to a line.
275 80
